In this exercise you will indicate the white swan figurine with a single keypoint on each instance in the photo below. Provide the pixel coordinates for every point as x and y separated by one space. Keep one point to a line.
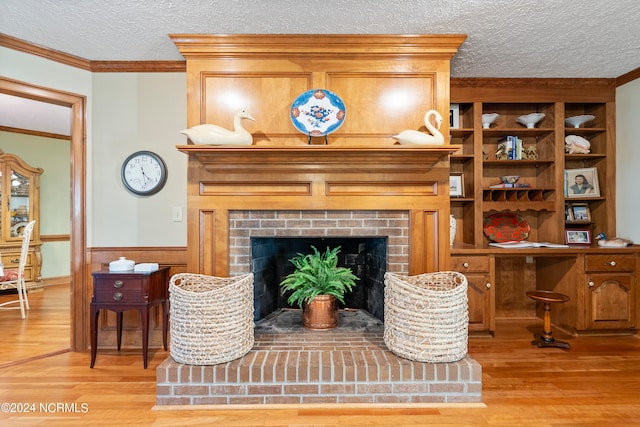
417 137
217 135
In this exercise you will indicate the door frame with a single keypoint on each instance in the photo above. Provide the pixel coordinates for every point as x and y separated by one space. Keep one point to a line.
77 104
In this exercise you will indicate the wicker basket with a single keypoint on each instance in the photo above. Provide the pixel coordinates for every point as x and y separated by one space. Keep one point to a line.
211 318
426 317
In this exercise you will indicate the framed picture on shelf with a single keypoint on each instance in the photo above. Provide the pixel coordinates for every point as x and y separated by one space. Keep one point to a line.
580 212
581 183
456 185
568 213
577 236
454 116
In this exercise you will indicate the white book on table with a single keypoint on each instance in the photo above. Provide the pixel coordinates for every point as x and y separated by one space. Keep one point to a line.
526 244
146 267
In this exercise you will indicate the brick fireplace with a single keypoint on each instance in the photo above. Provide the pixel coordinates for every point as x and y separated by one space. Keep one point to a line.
398 194
295 231
359 184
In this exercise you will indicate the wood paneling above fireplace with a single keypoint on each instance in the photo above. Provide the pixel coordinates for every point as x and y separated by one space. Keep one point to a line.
387 82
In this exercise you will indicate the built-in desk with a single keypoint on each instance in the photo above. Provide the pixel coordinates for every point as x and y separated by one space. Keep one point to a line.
601 283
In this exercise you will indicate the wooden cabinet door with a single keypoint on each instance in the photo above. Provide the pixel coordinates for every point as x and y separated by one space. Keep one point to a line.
480 294
610 301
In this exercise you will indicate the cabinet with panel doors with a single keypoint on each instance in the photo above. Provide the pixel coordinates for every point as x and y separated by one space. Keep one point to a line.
20 204
480 292
609 291
544 158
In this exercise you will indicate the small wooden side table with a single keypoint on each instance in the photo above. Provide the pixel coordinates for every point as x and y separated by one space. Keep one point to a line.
122 291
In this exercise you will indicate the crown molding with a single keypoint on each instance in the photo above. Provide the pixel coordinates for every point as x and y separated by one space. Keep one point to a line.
628 77
53 55
138 66
93 66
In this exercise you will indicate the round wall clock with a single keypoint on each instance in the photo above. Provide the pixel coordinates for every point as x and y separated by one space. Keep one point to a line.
144 173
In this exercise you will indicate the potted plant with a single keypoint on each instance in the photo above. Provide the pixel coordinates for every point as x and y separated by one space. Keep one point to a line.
318 284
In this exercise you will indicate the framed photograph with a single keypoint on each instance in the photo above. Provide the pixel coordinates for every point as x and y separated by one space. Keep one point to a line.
456 185
568 213
454 116
580 212
577 236
581 183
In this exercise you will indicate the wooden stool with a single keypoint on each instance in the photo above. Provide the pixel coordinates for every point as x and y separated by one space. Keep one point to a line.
547 297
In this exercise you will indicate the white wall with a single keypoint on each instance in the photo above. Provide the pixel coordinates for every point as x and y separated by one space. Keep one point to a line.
126 112
132 112
52 75
628 160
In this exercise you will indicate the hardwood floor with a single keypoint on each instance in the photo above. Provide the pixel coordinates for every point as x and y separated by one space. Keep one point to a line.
596 383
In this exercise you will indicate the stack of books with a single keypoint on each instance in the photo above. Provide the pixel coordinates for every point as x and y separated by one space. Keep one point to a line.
513 147
511 185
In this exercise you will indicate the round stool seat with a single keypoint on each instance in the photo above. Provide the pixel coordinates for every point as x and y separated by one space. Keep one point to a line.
547 296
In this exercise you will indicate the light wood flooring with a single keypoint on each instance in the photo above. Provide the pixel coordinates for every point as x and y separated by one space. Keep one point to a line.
596 383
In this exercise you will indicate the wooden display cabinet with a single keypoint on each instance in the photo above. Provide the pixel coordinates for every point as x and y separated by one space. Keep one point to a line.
601 299
20 204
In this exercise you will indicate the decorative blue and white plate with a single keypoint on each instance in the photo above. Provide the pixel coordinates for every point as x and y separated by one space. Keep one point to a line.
317 112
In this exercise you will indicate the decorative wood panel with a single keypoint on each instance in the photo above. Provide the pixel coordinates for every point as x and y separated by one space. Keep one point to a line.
388 83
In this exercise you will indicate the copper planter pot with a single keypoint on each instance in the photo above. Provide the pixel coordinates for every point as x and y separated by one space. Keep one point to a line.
321 313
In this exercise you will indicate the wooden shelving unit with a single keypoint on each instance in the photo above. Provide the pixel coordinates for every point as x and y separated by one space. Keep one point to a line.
602 293
542 204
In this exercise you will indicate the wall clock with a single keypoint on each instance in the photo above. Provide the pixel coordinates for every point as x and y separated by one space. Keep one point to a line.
144 173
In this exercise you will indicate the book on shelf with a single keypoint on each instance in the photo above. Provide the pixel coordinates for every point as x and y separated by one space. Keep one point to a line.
511 185
512 147
516 244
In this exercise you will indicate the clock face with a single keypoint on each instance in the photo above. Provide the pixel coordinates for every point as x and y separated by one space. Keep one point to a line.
144 173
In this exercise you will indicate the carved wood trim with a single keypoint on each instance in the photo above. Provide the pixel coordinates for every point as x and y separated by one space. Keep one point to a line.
197 46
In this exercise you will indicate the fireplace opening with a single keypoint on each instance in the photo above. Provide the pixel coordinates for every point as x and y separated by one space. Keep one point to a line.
365 256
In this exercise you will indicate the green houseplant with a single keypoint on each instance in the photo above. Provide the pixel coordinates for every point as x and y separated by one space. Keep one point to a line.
316 284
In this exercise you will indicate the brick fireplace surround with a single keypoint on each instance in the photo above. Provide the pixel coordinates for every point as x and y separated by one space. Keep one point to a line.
399 193
342 366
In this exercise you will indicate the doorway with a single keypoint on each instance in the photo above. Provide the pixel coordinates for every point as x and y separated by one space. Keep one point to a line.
77 105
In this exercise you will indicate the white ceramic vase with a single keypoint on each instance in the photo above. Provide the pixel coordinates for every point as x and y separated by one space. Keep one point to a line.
452 229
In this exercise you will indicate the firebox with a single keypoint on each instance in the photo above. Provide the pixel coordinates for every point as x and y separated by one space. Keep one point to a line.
365 256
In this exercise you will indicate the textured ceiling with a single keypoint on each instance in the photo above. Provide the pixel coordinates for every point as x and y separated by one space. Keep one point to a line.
506 38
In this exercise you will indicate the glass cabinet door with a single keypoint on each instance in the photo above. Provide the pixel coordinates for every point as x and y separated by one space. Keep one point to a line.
19 203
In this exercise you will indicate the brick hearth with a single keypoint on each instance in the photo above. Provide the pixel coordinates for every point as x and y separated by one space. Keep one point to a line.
346 365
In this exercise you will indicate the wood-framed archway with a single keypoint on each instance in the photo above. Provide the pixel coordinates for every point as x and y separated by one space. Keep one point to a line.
77 105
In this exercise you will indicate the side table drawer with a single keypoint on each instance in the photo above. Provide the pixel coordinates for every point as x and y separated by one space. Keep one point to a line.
125 291
471 263
612 262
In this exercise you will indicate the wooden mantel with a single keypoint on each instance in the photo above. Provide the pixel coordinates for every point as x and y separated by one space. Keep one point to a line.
399 158
387 82
225 179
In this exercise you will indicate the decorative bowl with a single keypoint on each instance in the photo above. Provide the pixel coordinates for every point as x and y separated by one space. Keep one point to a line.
122 264
576 121
505 227
530 120
509 179
489 118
